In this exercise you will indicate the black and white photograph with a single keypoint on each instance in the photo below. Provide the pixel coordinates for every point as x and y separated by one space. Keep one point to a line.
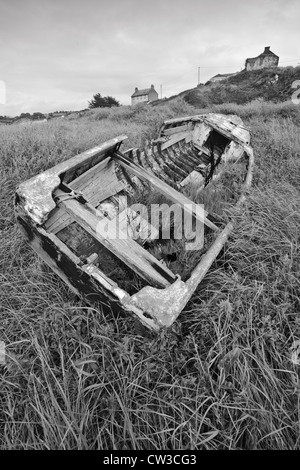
150 228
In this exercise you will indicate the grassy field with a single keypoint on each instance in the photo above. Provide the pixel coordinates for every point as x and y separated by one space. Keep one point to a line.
225 376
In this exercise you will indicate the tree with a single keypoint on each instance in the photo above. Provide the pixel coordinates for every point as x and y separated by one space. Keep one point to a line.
37 116
103 102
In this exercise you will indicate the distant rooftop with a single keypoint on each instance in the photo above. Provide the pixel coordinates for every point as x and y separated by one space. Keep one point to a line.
266 52
223 75
144 92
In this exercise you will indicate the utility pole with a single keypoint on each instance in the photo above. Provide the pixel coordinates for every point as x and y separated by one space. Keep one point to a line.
198 75
161 92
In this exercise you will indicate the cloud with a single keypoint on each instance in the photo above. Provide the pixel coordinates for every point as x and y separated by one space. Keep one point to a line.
58 54
2 92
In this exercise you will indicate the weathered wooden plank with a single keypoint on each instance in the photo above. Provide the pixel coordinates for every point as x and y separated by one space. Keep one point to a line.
96 185
88 176
200 133
58 221
37 191
189 206
232 130
69 267
189 138
195 178
127 250
180 120
233 151
176 138
179 171
175 130
229 130
203 149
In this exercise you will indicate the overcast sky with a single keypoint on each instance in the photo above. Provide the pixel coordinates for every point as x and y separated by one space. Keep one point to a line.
55 54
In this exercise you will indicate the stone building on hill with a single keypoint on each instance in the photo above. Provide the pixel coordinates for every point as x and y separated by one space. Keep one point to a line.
265 59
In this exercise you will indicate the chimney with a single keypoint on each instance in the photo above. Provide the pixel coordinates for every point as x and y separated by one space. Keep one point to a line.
152 86
267 50
136 89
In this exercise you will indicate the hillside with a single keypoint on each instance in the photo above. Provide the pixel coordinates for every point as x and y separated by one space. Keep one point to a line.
272 84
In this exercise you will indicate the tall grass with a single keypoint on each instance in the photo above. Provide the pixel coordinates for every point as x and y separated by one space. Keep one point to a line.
225 376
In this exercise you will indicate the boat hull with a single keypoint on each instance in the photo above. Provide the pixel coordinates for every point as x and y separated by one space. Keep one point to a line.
67 214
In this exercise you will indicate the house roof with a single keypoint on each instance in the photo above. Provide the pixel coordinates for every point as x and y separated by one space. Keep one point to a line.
267 52
263 54
144 92
223 75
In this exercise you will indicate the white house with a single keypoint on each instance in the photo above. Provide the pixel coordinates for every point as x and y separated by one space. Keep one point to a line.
142 96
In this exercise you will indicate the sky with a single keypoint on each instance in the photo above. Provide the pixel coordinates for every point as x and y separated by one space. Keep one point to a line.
56 54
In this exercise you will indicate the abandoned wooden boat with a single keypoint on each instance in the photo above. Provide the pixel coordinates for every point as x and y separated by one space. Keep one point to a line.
82 219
